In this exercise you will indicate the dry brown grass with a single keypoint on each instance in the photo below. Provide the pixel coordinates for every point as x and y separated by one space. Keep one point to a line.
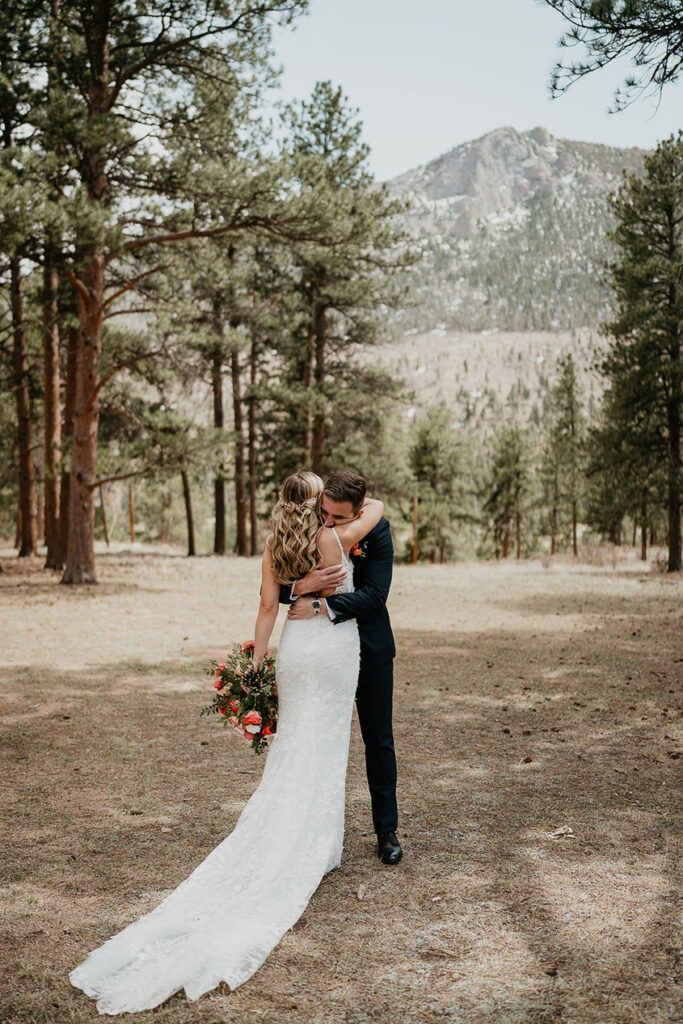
527 699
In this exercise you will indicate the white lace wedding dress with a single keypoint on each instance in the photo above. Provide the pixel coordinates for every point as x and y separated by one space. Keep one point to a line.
221 923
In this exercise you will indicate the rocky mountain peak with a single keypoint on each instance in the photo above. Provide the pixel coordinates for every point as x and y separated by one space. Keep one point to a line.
514 228
496 173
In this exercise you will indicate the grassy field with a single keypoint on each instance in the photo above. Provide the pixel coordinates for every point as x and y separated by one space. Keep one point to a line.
538 733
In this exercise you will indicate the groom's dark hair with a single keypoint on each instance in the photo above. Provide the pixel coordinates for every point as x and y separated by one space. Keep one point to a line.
346 487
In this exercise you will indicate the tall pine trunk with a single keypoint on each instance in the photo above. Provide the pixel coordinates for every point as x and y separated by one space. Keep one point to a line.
67 435
241 543
52 416
307 411
89 286
506 538
187 497
674 496
27 487
251 428
554 510
219 478
673 417
643 529
80 556
674 402
40 511
320 369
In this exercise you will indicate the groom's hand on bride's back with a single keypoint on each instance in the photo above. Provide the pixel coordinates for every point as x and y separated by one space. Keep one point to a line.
320 579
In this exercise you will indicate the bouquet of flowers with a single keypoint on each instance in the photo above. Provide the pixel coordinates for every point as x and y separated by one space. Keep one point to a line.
245 695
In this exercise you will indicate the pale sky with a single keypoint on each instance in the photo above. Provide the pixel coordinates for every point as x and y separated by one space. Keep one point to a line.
430 74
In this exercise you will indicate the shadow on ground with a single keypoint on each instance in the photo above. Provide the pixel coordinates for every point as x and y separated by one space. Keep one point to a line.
538 794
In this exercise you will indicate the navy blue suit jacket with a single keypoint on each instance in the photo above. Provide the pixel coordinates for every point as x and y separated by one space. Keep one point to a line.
367 604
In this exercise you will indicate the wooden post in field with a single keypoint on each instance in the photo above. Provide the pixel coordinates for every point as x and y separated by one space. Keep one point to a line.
415 529
131 510
104 516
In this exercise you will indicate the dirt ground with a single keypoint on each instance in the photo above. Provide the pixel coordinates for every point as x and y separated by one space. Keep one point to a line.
538 732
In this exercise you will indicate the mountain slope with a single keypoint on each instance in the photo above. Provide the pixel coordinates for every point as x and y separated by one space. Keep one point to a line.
514 229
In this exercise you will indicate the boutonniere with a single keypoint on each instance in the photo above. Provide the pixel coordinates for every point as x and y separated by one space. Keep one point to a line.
359 550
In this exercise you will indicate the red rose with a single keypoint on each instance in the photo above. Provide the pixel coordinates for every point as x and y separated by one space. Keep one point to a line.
234 706
248 645
218 683
222 711
266 731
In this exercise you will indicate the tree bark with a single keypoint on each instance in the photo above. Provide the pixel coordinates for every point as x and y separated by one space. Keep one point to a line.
674 496
307 411
67 435
643 530
253 518
219 477
673 417
51 415
674 403
80 557
555 506
27 495
102 509
191 550
241 543
415 535
320 368
131 513
506 538
40 514
575 517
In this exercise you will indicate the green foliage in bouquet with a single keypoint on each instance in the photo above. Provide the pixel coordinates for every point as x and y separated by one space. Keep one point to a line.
245 695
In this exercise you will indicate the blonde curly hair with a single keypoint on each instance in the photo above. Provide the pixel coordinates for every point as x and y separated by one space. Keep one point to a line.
296 522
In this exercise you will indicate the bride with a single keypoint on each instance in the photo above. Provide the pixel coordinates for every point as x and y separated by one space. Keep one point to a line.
221 923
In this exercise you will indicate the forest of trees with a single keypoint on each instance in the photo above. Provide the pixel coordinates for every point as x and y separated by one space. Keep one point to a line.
191 290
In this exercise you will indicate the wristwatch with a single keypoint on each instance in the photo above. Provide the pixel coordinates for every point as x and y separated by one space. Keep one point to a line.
316 604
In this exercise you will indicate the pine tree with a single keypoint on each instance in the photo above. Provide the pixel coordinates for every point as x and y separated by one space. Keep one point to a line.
437 462
345 285
129 194
644 365
509 493
649 31
563 460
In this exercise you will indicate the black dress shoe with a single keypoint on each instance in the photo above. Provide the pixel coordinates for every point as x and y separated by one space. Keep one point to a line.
388 848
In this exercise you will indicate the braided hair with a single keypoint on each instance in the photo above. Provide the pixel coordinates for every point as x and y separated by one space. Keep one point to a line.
296 522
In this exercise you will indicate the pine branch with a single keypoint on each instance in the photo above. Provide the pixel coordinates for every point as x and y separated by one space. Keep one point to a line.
116 369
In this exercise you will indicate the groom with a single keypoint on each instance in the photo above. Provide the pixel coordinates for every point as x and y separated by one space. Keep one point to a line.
341 502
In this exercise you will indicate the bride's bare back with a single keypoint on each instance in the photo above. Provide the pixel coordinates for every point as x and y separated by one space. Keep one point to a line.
330 539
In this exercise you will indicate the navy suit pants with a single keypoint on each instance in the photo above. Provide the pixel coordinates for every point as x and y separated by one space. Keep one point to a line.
374 698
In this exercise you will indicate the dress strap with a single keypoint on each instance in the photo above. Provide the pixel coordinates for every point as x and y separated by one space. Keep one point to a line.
339 543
